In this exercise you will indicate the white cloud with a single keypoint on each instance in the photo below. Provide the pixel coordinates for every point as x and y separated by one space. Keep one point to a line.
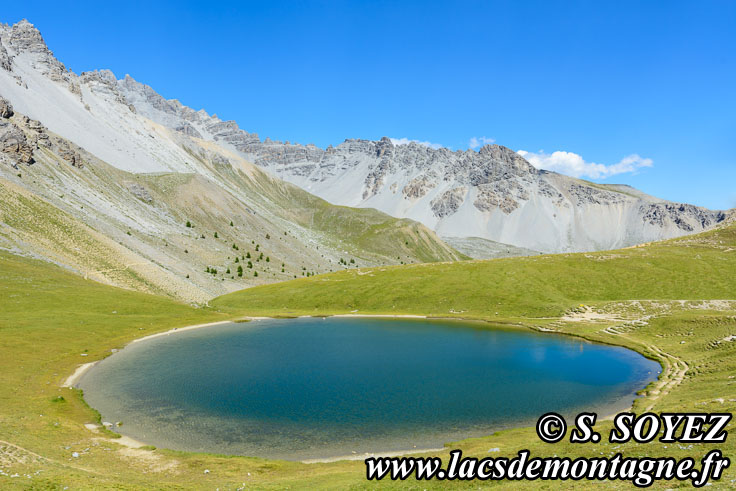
406 141
479 141
573 164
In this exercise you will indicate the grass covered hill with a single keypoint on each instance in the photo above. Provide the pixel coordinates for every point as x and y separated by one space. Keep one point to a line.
690 268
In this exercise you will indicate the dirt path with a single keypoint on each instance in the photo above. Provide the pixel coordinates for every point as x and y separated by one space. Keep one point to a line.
674 368
11 453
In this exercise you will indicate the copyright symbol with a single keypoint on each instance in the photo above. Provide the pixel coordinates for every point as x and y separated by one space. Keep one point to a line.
551 428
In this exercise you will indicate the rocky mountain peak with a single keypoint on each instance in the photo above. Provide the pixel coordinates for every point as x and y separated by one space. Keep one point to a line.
25 37
499 153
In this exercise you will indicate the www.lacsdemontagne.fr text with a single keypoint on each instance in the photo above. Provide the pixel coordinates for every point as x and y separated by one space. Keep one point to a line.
641 471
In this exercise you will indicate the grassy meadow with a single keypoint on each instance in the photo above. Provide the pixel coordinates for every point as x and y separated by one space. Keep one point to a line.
674 301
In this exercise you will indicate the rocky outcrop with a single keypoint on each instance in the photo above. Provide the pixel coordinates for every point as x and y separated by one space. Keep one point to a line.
587 194
21 136
448 202
6 61
419 186
70 153
13 143
686 217
188 130
139 192
6 109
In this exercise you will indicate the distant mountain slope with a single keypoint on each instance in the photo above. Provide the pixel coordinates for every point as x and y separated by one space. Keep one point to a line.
88 183
493 193
478 248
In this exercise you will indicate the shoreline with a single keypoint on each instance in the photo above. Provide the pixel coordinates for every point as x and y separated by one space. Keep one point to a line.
130 442
178 329
81 370
376 316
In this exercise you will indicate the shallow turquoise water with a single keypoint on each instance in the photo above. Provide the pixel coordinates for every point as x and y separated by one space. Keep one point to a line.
313 387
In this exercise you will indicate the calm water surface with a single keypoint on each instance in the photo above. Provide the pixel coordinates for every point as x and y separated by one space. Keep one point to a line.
315 388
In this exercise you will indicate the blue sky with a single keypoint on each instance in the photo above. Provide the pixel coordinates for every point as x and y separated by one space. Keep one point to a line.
642 93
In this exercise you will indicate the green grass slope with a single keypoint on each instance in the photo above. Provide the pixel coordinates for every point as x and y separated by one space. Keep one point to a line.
358 230
695 267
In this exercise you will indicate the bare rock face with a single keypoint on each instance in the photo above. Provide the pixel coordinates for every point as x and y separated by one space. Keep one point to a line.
188 130
139 192
686 217
591 195
448 202
13 142
420 186
6 109
70 154
6 61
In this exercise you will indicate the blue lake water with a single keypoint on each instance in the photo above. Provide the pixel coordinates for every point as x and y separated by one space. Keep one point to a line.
315 388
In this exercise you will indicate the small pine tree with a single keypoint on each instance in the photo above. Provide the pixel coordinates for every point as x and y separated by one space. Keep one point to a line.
268 259
215 235
282 270
231 223
186 251
247 255
189 224
228 271
257 247
203 236
240 271
352 261
207 270
268 237
250 265
236 259
255 273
